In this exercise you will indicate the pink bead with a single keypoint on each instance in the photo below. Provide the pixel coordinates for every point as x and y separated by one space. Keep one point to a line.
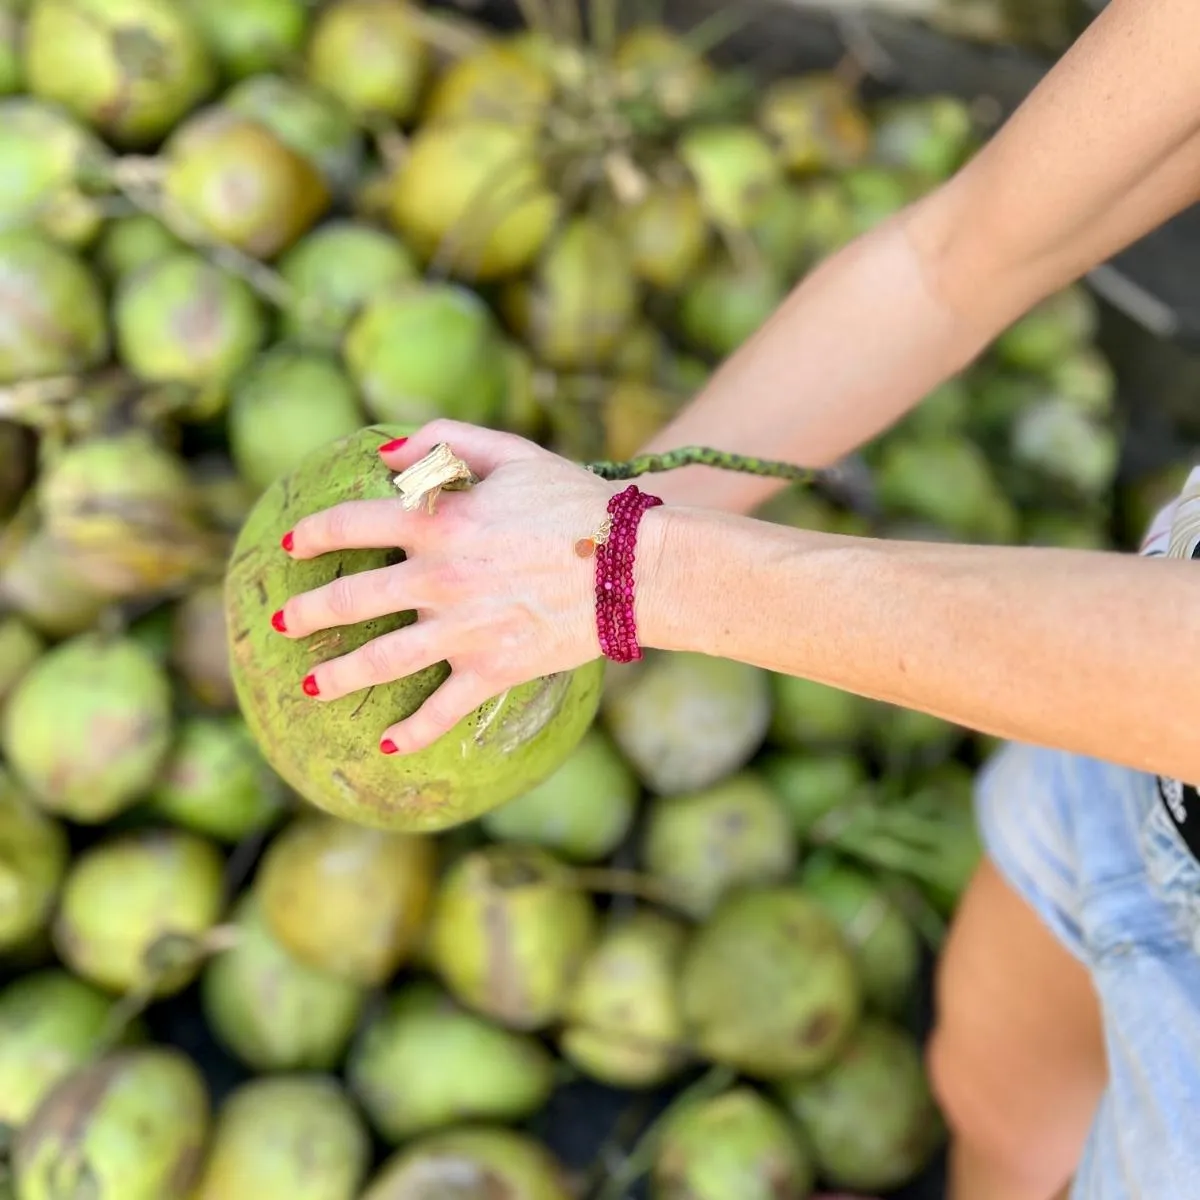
615 624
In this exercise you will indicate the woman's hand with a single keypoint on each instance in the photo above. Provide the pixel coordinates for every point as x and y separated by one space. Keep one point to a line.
492 575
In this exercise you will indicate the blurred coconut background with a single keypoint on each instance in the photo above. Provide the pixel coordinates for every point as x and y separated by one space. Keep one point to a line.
692 959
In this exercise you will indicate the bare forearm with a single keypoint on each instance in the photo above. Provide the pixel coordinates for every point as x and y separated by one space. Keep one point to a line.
1058 647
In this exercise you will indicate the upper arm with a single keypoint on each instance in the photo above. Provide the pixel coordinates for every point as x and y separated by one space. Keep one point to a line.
1104 150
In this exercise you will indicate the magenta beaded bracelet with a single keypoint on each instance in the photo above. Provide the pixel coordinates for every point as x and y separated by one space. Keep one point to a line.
615 546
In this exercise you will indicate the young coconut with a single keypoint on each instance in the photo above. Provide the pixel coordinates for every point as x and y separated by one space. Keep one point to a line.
55 321
252 36
333 272
1057 327
769 986
88 728
735 169
930 135
809 785
39 582
182 320
131 1126
703 845
237 181
10 61
509 932
734 1144
130 68
1061 445
127 244
480 1163
687 721
582 298
801 223
348 900
215 782
582 812
869 1117
225 497
47 154
33 861
20 647
885 945
271 1011
633 412
666 233
816 123
501 81
287 1138
370 55
135 909
473 195
51 1024
654 65
424 1063
314 125
419 351
286 404
727 301
623 1023
329 752
125 509
807 715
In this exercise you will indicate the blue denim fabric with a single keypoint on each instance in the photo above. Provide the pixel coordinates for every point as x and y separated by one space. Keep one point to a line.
1089 846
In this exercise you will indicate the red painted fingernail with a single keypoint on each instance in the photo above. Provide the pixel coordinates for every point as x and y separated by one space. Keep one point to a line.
392 446
388 746
278 623
310 686
288 541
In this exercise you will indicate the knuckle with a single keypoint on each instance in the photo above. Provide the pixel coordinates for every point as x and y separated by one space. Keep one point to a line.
335 525
341 597
379 658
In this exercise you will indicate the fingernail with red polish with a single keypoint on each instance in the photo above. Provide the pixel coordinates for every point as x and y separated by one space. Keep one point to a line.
392 446
310 686
278 623
288 541
387 746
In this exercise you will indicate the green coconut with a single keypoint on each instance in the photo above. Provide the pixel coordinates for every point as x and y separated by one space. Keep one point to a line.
726 302
633 413
582 298
199 653
20 647
703 845
813 784
423 1063
623 1022
333 272
500 81
419 351
134 907
816 122
769 985
215 782
329 751
47 154
869 1118
286 404
807 715
124 508
51 1024
1087 379
251 36
522 410
270 1010
473 193
686 721
131 1126
39 581
33 862
182 320
876 193
735 169
235 180
480 1163
884 943
1057 327
509 932
348 900
10 56
89 726
666 235
1066 530
906 737
313 124
288 1138
1058 442
130 68
930 135
371 55
582 812
654 64
733 1144
55 321
129 243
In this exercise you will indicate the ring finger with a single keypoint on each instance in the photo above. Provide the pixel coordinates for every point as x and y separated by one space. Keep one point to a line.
382 660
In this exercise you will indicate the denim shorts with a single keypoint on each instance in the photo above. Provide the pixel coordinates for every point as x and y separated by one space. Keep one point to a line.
1090 847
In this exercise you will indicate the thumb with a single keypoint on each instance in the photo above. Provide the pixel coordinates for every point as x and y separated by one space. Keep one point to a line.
482 449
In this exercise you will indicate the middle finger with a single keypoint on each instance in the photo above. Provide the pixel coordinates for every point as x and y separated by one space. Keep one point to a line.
362 596
352 525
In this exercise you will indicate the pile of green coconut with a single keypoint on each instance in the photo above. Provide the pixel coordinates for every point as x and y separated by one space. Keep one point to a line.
237 243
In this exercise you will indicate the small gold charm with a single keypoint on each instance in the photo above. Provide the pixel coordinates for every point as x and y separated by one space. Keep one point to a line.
440 470
586 547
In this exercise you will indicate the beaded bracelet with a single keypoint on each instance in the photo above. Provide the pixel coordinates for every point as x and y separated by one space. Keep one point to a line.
614 546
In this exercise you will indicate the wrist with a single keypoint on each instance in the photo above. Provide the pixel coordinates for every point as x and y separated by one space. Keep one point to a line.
668 541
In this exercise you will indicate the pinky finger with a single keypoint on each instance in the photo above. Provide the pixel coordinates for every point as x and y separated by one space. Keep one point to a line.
459 696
